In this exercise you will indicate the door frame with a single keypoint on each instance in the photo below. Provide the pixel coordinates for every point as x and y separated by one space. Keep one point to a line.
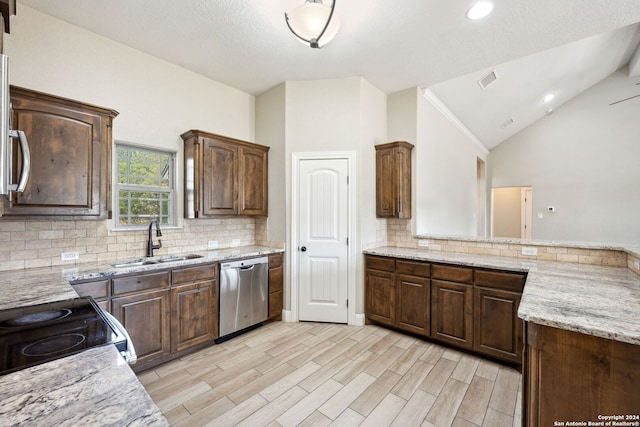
296 157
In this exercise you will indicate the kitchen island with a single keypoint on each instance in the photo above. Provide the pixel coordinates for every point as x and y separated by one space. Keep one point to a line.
94 387
582 335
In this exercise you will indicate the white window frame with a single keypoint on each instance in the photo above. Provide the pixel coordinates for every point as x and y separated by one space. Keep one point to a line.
173 211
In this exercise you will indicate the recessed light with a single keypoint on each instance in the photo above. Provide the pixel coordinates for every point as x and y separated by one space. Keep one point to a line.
480 10
549 97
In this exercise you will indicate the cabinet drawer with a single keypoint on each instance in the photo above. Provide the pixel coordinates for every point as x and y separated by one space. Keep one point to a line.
513 282
451 273
275 260
194 274
141 282
420 269
380 263
97 289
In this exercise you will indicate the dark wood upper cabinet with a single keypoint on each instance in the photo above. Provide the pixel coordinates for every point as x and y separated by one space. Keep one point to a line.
70 145
393 180
7 8
224 176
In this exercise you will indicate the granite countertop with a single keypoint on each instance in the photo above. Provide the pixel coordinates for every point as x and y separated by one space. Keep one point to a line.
94 387
593 300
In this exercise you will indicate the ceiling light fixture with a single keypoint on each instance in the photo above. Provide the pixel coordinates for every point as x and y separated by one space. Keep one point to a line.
549 97
480 10
313 23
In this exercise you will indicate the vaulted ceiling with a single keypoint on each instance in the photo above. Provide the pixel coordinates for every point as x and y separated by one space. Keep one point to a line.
393 44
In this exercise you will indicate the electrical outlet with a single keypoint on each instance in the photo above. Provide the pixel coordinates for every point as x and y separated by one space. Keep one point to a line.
69 256
423 243
526 250
235 242
213 244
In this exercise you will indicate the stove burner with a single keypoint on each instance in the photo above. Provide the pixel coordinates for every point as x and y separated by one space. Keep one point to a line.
43 316
53 345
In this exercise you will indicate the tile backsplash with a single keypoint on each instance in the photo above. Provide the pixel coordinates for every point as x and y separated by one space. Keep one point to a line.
26 244
399 234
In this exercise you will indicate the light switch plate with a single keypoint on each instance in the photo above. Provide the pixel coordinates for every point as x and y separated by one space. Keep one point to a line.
527 250
423 243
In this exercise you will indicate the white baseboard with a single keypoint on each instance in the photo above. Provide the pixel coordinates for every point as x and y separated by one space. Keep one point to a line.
287 316
359 320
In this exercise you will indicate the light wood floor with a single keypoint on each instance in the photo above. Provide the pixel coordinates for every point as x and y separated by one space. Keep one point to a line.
317 374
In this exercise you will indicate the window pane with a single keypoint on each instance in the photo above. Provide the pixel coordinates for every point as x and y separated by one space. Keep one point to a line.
138 207
143 167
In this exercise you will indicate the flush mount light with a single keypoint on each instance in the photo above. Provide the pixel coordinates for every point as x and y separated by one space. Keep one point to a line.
313 23
549 97
479 10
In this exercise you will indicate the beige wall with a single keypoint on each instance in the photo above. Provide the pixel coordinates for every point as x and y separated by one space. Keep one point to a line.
506 211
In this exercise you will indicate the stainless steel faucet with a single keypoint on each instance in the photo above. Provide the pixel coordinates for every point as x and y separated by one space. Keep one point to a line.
150 245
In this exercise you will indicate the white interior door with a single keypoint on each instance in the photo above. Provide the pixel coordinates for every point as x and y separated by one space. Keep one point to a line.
323 252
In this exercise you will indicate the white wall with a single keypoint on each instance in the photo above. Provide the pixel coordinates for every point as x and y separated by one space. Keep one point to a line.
157 101
270 131
444 165
584 159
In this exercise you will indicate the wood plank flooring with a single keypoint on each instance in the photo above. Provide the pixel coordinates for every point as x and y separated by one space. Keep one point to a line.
318 374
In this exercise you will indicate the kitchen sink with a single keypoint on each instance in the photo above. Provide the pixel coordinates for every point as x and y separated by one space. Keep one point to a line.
179 258
150 261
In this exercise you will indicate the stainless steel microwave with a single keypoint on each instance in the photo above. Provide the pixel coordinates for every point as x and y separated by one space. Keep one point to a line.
7 135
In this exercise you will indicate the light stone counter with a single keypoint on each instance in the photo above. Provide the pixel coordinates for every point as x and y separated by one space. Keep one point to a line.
593 300
95 387
92 388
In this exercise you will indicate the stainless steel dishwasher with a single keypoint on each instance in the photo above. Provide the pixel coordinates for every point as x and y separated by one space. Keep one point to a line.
244 295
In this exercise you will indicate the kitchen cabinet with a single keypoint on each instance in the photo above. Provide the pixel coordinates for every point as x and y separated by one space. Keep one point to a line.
413 297
380 288
70 144
452 305
393 180
194 307
224 176
142 303
276 285
570 376
498 331
99 290
470 308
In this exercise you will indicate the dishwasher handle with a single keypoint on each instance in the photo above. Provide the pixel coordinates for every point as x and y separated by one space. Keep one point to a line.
247 268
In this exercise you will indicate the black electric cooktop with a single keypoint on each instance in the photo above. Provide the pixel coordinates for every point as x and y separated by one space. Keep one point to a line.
39 333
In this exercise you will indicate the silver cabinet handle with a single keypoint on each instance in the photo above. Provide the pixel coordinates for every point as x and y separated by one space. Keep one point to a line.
26 161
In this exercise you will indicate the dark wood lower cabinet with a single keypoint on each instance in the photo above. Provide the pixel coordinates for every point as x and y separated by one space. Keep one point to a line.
146 317
497 329
470 308
569 376
381 297
193 319
276 286
452 311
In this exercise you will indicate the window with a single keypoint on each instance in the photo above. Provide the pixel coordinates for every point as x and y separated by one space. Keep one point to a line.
144 188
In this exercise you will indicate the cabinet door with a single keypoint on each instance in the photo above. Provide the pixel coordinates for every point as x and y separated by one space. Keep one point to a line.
381 297
276 284
413 307
385 183
194 314
497 329
70 146
452 312
403 182
253 176
146 317
220 178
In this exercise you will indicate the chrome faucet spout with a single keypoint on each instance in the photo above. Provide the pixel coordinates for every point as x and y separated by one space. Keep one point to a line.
150 245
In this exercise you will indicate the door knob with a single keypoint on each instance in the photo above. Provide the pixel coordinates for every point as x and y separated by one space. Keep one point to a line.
303 249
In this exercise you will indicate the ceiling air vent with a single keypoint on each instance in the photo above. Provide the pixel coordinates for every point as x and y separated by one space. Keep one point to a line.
488 79
506 123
